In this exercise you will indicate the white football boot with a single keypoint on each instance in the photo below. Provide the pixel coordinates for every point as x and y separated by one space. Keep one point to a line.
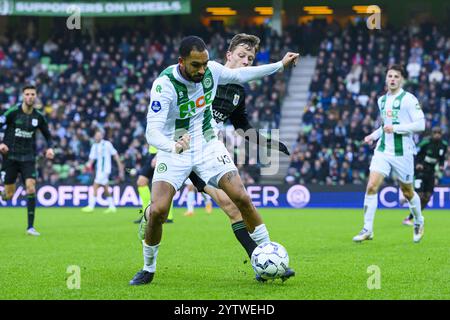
363 235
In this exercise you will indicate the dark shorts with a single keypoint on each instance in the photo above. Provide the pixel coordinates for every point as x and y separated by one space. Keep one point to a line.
424 182
198 183
147 170
11 169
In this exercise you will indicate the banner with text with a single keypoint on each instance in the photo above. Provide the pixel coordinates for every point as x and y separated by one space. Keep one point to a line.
266 196
94 8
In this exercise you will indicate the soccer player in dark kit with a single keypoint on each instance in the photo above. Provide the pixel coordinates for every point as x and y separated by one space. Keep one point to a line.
18 149
431 155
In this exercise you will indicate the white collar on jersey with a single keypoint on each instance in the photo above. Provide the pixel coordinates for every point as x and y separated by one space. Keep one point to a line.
388 94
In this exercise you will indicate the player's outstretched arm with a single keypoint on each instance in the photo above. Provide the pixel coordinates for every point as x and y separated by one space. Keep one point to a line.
246 74
374 136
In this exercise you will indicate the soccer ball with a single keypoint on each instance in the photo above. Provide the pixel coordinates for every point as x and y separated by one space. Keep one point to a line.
270 260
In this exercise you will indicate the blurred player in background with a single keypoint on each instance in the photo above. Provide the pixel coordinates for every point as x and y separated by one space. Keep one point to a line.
101 152
401 117
18 149
191 199
429 161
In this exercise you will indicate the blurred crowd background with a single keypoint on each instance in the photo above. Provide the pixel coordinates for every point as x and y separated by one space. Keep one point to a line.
86 82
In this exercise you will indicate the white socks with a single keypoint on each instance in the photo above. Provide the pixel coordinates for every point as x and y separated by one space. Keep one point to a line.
260 235
190 201
370 207
416 209
92 201
111 202
150 254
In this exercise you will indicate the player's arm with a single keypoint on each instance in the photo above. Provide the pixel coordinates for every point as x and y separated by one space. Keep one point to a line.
161 96
43 127
120 166
5 119
417 123
374 136
246 74
239 120
442 157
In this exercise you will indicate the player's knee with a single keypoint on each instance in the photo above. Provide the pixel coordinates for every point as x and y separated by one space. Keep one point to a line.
408 193
158 213
372 188
142 182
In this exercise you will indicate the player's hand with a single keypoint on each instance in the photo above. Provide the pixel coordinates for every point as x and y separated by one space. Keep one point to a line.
388 128
419 167
183 143
280 146
4 148
290 59
369 140
153 164
50 154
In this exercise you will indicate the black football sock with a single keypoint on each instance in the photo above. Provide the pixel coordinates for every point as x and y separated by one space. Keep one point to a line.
241 233
31 206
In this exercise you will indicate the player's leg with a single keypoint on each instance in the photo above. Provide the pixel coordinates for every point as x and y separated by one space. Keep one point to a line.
144 191
233 213
404 169
28 171
190 203
30 185
111 206
8 177
379 168
419 187
208 202
92 198
171 171
155 214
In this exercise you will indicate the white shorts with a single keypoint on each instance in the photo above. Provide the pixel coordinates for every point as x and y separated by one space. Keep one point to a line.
402 167
102 178
210 164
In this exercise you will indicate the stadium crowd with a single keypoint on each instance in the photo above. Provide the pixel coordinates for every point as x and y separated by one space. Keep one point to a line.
342 107
84 84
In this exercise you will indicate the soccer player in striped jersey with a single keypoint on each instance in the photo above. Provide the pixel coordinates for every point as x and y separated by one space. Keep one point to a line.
180 125
401 117
101 152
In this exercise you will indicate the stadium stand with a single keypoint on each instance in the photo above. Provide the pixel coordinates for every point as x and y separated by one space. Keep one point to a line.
342 106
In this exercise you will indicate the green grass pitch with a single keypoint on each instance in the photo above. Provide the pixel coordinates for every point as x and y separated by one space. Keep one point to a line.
200 258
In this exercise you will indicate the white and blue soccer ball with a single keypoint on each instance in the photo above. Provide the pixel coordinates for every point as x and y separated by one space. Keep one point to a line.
270 260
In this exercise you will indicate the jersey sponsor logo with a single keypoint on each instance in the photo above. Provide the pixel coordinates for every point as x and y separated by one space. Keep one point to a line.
219 116
207 82
390 114
188 109
162 167
156 106
236 100
23 134
34 122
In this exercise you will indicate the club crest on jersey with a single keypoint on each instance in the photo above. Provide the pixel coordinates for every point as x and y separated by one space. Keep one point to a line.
396 104
236 100
207 83
34 122
156 106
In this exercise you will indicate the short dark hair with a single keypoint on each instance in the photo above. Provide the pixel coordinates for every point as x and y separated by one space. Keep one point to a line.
191 43
399 68
28 86
243 38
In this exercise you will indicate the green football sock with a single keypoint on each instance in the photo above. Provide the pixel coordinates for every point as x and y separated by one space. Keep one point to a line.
144 193
170 217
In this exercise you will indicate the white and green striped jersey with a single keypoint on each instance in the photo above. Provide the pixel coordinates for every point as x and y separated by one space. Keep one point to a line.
179 106
102 153
400 110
